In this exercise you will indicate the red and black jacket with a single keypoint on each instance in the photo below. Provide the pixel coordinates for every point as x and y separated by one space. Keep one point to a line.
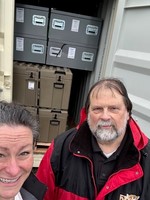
67 168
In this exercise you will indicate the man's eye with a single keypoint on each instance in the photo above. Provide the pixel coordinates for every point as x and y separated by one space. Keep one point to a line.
115 109
97 110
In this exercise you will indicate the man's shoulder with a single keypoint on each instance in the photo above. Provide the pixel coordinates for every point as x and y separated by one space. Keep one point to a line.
147 147
146 152
64 137
61 148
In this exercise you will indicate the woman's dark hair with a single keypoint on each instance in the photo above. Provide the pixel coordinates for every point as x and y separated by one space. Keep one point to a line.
112 84
15 114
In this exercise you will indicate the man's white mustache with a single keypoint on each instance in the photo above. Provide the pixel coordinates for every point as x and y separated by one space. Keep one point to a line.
104 123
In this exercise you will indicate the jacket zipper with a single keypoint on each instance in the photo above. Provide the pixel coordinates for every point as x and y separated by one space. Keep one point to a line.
91 169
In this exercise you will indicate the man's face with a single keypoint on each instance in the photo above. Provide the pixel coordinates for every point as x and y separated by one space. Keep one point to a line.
107 115
16 159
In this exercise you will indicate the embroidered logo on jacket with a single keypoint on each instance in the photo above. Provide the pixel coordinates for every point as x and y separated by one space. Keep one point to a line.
129 197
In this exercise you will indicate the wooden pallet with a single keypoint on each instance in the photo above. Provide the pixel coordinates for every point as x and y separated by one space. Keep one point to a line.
41 147
39 152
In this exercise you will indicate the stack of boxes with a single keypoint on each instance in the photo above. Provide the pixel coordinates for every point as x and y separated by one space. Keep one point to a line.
56 38
45 91
30 33
73 40
48 44
54 94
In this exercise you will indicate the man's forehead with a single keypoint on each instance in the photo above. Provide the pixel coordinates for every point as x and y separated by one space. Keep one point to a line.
98 91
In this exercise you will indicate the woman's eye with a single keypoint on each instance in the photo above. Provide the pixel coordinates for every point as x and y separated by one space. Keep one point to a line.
24 153
2 155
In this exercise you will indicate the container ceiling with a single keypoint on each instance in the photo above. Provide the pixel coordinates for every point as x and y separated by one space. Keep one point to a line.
76 6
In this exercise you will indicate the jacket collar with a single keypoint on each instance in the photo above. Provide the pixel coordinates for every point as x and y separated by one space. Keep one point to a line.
81 145
27 195
34 186
82 139
140 139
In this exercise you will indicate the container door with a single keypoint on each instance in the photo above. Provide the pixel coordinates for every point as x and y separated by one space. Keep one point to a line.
6 48
127 54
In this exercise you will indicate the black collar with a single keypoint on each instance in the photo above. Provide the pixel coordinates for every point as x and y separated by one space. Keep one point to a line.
126 151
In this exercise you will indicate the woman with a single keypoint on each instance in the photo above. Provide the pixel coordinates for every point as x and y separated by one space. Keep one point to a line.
18 134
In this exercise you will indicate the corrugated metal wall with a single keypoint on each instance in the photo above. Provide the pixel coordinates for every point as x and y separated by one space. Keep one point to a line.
128 55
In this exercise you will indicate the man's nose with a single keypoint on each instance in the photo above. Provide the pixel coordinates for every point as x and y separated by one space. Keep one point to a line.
105 115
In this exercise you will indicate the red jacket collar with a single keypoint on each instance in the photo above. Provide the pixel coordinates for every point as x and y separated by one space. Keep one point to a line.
140 139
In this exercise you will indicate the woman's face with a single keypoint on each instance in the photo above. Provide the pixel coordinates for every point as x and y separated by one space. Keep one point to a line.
16 159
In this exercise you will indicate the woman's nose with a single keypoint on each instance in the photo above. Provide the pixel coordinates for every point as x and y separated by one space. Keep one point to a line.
13 167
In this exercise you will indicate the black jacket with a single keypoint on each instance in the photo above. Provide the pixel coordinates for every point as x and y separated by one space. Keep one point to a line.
69 173
33 189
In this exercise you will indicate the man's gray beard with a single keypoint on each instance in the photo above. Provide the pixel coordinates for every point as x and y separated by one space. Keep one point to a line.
103 135
106 135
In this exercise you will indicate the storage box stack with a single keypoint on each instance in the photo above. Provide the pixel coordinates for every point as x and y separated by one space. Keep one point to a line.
73 40
55 87
45 91
30 33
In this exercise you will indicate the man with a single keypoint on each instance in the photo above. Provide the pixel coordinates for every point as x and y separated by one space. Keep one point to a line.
18 134
107 157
